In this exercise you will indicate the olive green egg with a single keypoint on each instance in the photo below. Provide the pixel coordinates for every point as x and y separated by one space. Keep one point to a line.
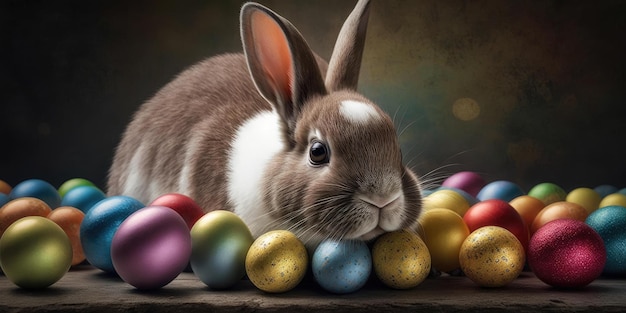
35 252
277 261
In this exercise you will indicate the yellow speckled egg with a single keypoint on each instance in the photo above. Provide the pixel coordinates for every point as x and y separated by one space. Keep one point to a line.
443 231
491 256
401 259
446 199
277 261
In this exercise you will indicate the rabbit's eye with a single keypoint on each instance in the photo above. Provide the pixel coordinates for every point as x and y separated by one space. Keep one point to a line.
319 153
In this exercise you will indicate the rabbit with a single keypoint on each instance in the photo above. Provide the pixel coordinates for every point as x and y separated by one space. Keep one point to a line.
277 136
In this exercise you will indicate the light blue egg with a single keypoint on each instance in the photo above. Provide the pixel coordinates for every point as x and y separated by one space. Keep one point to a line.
610 223
82 197
342 266
501 190
39 189
100 224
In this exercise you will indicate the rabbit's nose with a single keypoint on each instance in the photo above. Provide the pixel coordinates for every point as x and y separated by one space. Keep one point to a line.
381 201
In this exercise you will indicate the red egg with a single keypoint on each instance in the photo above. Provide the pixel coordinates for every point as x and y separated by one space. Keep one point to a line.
566 253
184 205
497 213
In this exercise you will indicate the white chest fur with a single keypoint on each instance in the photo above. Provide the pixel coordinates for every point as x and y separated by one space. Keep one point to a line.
256 142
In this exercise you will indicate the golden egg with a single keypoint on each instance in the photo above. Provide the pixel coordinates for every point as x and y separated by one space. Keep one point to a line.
446 199
277 261
443 231
401 259
491 256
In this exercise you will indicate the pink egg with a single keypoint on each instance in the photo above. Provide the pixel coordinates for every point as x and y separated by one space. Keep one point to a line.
151 247
566 253
469 182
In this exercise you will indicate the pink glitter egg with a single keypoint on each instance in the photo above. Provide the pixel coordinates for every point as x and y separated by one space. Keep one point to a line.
151 247
566 253
469 182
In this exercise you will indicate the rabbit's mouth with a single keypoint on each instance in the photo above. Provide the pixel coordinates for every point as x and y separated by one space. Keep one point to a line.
372 234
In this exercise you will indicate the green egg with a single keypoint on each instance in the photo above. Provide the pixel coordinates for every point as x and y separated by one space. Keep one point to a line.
35 252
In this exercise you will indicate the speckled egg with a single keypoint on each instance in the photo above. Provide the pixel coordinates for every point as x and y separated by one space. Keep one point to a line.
492 256
277 261
401 259
342 266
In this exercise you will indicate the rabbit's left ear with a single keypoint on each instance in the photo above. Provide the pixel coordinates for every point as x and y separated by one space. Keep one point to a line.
345 62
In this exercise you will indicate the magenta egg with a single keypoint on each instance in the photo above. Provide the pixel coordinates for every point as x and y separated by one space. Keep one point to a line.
469 182
566 253
151 247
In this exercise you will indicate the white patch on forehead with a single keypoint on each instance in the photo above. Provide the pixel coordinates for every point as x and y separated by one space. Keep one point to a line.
357 111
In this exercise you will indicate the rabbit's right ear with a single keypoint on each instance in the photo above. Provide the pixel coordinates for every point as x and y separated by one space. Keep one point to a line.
281 64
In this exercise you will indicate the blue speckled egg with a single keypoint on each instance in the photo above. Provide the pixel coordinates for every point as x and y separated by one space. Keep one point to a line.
99 226
610 223
501 190
342 266
82 197
39 189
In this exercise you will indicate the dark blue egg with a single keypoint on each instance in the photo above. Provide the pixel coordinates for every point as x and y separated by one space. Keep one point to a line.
82 197
39 189
501 190
605 190
100 224
610 223
4 199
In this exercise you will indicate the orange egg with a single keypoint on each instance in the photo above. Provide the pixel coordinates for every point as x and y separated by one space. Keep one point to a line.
70 218
528 207
5 188
21 207
559 210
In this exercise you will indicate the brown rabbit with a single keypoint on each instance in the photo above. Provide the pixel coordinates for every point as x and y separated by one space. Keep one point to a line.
264 135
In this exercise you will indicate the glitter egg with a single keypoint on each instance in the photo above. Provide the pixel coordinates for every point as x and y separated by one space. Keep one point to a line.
401 259
566 253
610 223
491 256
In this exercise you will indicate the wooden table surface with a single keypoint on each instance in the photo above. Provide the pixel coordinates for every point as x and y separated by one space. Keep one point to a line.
86 289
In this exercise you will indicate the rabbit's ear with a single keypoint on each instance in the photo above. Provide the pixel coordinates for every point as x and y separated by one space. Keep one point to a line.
345 62
282 65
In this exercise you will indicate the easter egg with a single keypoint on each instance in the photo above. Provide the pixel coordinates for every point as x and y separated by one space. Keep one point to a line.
622 191
4 199
443 233
21 207
39 189
548 193
492 256
82 197
469 182
497 213
585 197
527 207
5 188
501 190
605 190
446 199
558 210
341 266
471 200
151 247
277 261
73 183
35 252
401 259
613 199
99 226
69 219
610 223
184 205
220 241
566 253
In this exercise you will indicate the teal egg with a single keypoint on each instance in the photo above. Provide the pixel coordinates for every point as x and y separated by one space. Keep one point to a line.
82 197
610 223
39 189
219 243
100 224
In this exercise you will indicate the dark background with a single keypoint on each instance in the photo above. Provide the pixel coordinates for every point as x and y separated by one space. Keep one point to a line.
548 76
